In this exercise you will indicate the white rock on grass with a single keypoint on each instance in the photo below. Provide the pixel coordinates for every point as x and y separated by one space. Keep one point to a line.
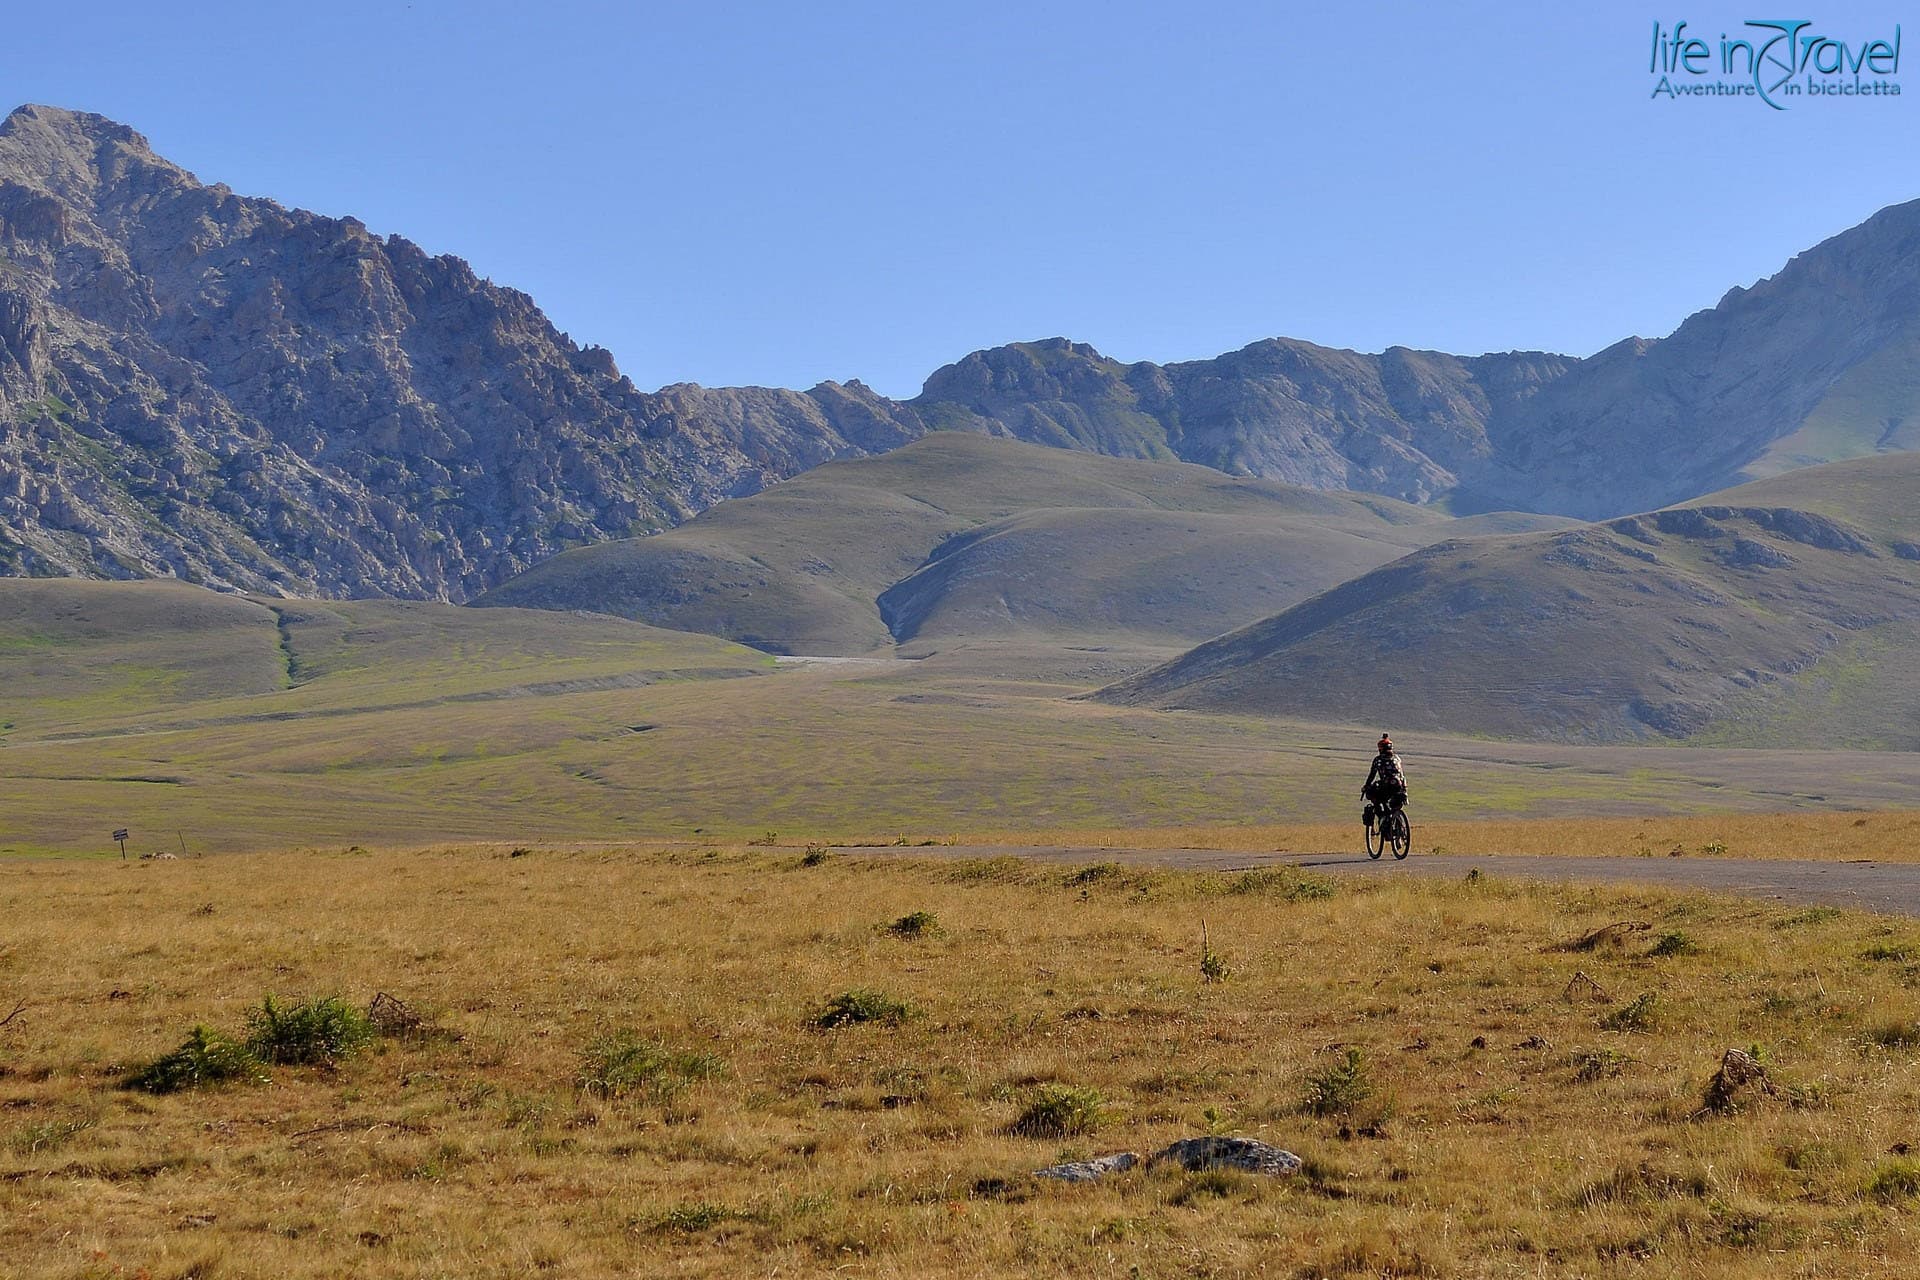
1246 1154
1090 1170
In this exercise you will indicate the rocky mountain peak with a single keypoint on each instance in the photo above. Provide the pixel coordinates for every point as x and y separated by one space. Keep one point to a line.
210 386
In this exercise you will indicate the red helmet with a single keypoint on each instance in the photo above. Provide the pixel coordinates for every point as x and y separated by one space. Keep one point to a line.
1386 743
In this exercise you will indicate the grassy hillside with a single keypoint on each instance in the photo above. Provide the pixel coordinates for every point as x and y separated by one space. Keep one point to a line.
1161 576
618 1070
408 724
960 535
72 649
1874 407
1762 614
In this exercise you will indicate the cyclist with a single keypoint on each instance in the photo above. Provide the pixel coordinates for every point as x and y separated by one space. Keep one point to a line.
1386 785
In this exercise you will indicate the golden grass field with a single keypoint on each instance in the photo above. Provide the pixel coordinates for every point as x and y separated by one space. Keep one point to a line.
1511 1130
1880 835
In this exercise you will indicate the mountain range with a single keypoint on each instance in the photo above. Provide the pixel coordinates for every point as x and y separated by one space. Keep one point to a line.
201 385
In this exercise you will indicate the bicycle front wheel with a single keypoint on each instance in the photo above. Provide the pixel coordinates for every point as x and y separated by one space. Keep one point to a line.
1400 835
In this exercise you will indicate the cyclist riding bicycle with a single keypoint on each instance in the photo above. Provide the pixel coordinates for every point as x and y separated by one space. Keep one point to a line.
1386 785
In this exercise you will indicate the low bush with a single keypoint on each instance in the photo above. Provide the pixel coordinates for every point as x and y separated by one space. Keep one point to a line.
1598 1064
861 1005
1638 1014
1281 882
624 1064
1895 1180
915 925
206 1057
310 1032
1339 1087
1060 1111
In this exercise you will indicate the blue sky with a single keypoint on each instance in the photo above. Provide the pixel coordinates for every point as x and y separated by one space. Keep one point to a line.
781 193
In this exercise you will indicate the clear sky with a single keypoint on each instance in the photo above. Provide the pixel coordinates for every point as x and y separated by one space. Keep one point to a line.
779 193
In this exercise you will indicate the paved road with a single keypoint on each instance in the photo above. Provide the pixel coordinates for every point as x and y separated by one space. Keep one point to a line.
1875 886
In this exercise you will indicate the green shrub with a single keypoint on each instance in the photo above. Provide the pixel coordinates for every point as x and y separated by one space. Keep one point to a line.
1895 1180
48 1135
1678 943
205 1057
860 1005
691 1219
916 925
1281 882
1340 1087
1213 965
1598 1064
310 1032
623 1064
1812 915
1638 1014
1900 952
1059 1111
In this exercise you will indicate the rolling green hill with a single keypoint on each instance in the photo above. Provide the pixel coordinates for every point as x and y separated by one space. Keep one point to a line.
413 724
1784 608
84 654
964 536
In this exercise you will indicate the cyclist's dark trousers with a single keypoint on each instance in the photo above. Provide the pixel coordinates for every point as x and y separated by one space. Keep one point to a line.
1388 794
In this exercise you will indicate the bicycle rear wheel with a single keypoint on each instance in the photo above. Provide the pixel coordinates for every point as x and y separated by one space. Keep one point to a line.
1377 836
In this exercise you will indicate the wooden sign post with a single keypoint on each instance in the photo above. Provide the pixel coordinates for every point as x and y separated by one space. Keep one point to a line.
120 834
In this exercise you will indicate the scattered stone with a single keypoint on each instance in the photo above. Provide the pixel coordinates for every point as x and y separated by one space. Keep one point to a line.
1247 1154
1738 1071
1535 1042
1090 1170
1478 1042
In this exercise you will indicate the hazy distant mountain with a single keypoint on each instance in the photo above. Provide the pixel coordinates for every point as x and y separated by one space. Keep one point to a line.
959 537
209 386
198 384
1783 611
1405 423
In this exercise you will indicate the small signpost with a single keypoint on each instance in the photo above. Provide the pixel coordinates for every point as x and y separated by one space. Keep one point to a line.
120 834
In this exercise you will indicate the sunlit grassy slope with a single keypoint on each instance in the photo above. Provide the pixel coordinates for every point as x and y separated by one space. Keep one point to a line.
1782 612
393 723
960 535
1506 1118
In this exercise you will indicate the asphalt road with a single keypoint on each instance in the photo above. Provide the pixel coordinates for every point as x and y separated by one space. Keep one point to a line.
1874 886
